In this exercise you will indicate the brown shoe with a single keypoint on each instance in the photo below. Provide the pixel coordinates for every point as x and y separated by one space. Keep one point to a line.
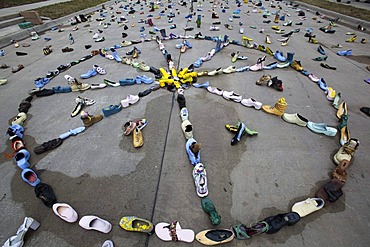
89 120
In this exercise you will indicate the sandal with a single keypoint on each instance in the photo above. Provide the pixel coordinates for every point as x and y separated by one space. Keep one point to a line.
209 208
173 232
215 236
136 224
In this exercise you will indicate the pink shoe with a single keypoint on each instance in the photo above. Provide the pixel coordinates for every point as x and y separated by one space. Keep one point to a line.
65 212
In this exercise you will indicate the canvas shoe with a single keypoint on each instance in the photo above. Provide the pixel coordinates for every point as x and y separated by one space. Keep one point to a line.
250 102
308 206
184 114
232 96
88 120
215 72
295 119
200 180
215 90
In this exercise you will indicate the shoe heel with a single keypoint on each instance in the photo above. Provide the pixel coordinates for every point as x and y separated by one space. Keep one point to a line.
34 225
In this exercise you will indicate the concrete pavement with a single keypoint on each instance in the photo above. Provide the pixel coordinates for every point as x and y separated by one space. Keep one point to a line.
100 173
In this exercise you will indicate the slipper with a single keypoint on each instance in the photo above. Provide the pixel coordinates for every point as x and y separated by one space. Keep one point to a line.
136 224
308 206
46 146
100 70
72 132
173 232
215 236
200 180
108 243
21 158
209 208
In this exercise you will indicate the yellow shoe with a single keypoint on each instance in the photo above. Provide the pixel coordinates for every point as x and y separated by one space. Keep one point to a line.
267 40
363 41
275 28
165 75
138 139
278 109
246 38
173 72
297 65
188 80
313 41
352 39
136 224
182 72
269 51
285 42
261 48
276 18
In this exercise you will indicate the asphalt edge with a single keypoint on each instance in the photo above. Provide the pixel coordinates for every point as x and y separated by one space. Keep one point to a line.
25 33
343 19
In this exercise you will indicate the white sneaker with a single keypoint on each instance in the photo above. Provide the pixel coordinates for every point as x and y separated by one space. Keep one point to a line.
215 90
200 180
232 96
215 72
100 85
95 36
251 103
229 70
184 114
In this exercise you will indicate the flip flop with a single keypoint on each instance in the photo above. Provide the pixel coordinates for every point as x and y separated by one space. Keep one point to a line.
173 232
215 236
136 224
72 132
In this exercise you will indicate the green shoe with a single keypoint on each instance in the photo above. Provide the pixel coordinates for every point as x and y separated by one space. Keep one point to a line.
209 208
320 58
233 128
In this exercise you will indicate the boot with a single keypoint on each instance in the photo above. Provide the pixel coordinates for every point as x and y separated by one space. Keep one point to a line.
150 22
278 109
199 21
290 57
163 33
89 120
83 18
276 83
276 18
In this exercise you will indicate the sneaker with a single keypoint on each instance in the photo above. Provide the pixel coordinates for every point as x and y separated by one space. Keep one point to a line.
88 120
232 96
215 90
138 139
200 180
250 102
184 114
264 79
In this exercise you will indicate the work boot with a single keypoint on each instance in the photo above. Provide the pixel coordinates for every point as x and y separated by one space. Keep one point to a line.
278 109
89 120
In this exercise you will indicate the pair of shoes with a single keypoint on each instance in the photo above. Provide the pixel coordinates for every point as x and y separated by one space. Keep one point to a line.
130 100
88 120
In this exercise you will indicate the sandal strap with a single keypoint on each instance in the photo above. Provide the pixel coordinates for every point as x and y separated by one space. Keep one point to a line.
239 232
172 228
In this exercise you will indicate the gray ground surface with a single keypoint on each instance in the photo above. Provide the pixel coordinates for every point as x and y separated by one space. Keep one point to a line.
100 173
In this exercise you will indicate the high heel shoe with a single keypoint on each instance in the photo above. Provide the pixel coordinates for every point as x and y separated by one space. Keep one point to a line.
344 131
336 100
285 42
268 41
17 240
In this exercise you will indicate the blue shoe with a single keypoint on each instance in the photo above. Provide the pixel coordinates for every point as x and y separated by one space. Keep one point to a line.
236 42
115 55
207 37
188 16
187 44
72 132
194 158
41 82
89 74
345 53
239 133
280 56
322 128
282 18
305 72
204 85
117 46
112 109
322 84
30 177
145 79
60 89
198 63
321 50
142 29
242 69
271 66
156 29
15 129
127 81
21 158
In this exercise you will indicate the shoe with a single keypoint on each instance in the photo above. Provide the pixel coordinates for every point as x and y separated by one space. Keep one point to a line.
250 102
112 109
342 110
280 56
215 90
98 86
229 70
200 180
232 96
78 86
108 243
184 114
111 83
129 127
72 132
16 130
330 94
46 194
321 50
263 80
127 81
136 224
215 236
17 240
238 134
308 206
30 177
345 53
21 158
365 110
295 119
95 223
130 100
279 221
65 212
242 232
88 120
313 78
352 39
137 139
215 72
209 208
322 128
20 118
49 145
296 65
278 109
193 150
187 128
327 66
347 151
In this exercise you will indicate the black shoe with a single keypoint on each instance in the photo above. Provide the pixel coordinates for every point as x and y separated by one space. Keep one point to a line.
287 34
19 53
45 92
88 46
268 21
238 135
46 146
279 221
365 110
154 70
145 93
46 194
